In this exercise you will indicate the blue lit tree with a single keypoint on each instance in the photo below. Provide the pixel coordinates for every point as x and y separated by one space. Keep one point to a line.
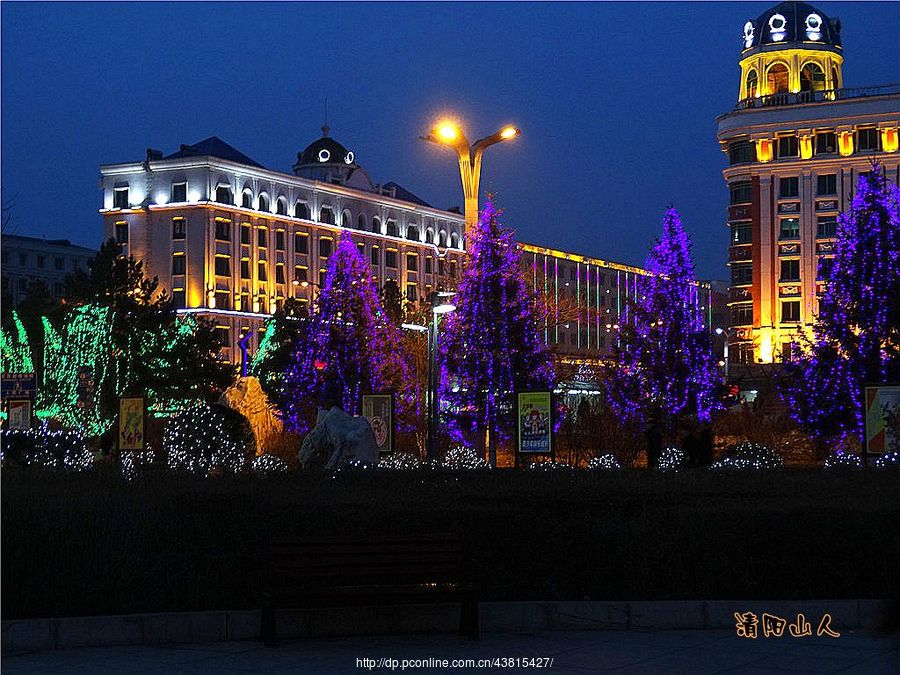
856 338
664 371
348 347
491 346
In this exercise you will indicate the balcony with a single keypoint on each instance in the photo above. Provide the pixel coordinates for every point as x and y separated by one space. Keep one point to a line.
773 100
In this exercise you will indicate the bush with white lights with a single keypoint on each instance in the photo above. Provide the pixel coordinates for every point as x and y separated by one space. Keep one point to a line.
889 460
268 465
208 440
46 448
607 462
843 460
747 456
461 458
671 460
399 461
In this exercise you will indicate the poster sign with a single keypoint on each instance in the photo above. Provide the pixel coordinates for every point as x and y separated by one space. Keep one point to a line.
882 419
379 410
18 412
131 423
17 385
533 414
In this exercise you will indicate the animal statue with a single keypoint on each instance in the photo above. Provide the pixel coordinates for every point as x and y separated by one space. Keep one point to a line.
247 397
341 437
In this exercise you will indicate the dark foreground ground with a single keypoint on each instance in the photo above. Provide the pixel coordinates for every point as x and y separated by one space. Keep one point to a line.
94 544
656 652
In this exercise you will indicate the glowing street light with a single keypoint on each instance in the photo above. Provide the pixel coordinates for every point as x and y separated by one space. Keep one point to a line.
724 333
449 134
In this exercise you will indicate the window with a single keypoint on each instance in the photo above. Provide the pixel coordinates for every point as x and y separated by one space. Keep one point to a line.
787 146
777 79
178 298
429 236
346 219
867 139
790 270
247 200
279 274
279 240
40 261
743 352
826 226
262 236
223 194
826 184
453 268
741 233
245 269
223 334
281 207
301 210
412 233
390 258
301 242
826 142
361 248
322 275
360 222
411 292
376 225
178 228
790 311
788 188
324 247
223 266
223 229
428 264
741 274
374 256
23 259
412 262
742 315
178 264
790 228
826 265
812 78
263 203
223 299
740 152
59 264
392 229
741 193
326 215
300 274
752 84
246 234
122 232
261 271
179 192
120 198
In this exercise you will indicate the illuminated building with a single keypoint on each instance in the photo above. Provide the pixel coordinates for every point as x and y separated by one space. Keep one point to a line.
231 240
796 143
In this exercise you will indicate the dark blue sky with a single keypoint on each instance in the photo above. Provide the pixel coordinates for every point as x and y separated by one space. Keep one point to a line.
616 101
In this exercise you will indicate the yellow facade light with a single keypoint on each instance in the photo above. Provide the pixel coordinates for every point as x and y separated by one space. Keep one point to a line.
765 346
845 143
765 150
806 147
890 139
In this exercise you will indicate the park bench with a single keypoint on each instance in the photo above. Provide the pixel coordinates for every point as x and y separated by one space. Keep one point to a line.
366 571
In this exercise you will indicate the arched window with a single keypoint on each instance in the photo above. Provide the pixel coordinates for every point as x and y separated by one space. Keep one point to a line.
376 225
777 79
392 229
812 78
247 199
361 222
281 206
346 218
263 203
326 215
301 210
752 84
412 233
223 194
454 240
429 236
442 239
835 83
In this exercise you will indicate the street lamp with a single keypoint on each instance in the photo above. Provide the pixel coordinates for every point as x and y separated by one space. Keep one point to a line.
439 305
449 134
726 334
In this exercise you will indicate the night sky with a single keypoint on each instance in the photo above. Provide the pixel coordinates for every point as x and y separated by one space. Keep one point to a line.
617 102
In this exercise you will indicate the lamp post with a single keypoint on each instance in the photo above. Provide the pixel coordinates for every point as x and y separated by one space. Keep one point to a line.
439 305
724 332
449 134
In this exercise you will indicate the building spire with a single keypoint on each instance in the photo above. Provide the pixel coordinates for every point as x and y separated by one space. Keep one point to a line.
325 127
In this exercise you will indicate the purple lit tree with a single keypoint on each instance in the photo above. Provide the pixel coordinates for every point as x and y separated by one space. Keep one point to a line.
856 338
491 346
348 346
664 371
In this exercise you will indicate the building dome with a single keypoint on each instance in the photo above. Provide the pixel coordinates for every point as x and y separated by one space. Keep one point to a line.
326 150
792 24
327 160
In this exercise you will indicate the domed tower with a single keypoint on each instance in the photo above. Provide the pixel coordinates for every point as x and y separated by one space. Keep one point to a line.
328 161
791 48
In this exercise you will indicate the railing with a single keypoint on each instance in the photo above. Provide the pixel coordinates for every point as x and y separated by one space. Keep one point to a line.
788 98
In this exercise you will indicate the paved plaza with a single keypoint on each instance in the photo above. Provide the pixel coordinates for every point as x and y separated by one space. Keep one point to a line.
694 652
